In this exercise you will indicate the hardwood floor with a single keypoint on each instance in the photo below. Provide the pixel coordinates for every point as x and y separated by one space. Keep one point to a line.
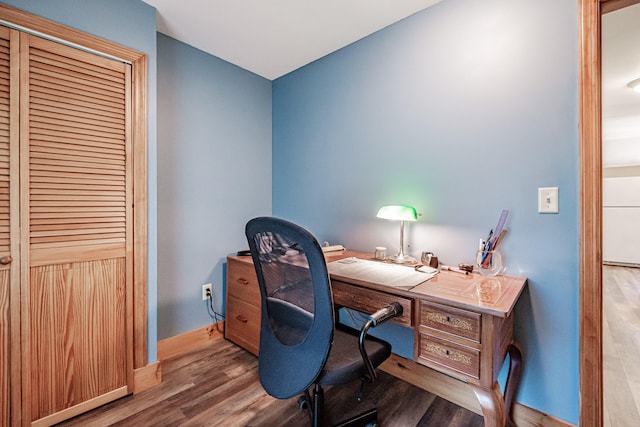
621 346
218 385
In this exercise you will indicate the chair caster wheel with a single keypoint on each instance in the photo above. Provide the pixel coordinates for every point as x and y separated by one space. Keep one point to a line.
303 403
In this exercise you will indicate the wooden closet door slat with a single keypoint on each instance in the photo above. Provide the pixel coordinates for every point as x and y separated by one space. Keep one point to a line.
44 181
87 144
78 158
72 151
35 222
52 96
60 113
47 164
62 55
75 73
56 188
77 109
47 90
76 129
43 132
81 88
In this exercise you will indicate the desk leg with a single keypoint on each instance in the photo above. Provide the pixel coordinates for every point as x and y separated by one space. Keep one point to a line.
513 378
492 405
496 410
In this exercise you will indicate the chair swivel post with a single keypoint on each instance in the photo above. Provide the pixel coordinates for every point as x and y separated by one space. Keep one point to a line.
390 311
318 405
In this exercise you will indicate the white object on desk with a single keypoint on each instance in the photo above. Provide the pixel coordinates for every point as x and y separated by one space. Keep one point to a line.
332 248
427 269
393 275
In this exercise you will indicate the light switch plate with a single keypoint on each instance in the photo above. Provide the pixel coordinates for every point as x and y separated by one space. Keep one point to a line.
548 200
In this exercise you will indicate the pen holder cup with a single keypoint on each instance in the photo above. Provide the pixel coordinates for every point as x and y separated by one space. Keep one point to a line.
489 263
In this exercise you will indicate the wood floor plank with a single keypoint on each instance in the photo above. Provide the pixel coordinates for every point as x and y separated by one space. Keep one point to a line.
621 346
442 410
218 385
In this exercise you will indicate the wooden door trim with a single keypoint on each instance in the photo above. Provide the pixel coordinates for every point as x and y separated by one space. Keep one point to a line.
590 163
140 202
611 5
54 30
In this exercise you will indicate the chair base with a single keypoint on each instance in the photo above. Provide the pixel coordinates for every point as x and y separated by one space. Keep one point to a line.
315 407
366 419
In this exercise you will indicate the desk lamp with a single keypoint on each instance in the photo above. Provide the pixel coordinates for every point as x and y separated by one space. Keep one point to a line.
402 214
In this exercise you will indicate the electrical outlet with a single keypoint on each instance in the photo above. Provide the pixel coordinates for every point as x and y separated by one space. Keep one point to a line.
206 292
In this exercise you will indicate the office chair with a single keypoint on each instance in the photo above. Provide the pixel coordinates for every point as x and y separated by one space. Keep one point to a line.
300 343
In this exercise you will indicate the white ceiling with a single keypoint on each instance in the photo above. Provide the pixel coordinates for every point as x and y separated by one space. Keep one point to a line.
620 104
273 37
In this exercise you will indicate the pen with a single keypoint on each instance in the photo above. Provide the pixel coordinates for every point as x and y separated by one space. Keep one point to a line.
455 270
489 236
487 247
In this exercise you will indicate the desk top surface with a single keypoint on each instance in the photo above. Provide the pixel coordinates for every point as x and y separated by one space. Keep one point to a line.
492 295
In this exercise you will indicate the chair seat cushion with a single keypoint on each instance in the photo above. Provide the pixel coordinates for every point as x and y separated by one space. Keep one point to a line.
345 363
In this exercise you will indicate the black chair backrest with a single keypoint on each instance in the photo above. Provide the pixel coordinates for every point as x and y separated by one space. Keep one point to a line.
296 329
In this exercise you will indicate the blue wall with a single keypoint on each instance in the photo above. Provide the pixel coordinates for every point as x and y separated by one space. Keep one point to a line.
214 158
461 110
131 23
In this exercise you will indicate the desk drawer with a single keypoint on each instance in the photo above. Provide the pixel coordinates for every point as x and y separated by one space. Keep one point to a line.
242 324
242 282
454 321
369 301
448 354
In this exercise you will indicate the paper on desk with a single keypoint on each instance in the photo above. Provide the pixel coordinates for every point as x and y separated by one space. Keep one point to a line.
397 276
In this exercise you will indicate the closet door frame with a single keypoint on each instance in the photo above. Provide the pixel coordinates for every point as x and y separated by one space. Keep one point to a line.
138 121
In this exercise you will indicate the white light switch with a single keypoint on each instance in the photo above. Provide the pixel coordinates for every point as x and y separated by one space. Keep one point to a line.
548 200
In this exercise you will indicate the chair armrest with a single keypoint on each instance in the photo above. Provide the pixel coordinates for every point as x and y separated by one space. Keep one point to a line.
390 311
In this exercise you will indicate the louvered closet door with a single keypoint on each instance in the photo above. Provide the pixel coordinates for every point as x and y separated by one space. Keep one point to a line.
9 277
76 203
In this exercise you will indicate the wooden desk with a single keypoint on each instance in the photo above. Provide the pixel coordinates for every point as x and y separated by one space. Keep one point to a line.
463 324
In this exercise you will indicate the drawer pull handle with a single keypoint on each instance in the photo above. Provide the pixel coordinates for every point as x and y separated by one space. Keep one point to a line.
242 319
243 281
452 355
6 260
454 322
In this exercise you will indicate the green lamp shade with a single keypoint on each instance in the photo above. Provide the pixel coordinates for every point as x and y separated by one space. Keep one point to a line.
397 212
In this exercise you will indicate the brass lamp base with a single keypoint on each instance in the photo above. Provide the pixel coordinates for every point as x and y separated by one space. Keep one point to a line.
402 259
